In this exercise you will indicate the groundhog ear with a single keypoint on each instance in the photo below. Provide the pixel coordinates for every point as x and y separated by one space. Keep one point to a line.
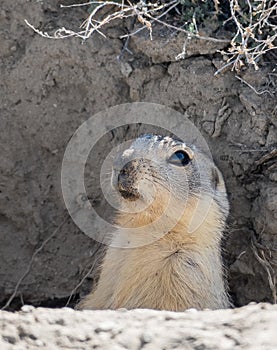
215 177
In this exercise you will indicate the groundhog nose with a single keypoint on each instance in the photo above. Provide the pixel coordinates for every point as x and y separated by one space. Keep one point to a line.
125 185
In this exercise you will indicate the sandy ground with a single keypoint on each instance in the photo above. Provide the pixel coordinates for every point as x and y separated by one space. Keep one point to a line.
252 327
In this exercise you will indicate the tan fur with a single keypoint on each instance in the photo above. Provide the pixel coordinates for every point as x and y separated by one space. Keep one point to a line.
161 275
178 271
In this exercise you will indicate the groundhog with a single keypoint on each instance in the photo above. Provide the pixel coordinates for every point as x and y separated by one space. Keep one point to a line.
173 202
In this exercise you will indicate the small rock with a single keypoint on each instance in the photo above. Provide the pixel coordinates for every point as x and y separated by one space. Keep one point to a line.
9 339
105 327
192 311
125 69
146 337
27 308
39 342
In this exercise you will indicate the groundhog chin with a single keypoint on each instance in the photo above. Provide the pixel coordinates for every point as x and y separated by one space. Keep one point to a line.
143 210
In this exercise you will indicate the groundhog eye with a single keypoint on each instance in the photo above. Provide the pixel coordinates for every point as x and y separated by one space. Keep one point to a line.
180 158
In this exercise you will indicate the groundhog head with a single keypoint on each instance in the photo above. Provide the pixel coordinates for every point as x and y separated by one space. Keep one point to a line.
161 176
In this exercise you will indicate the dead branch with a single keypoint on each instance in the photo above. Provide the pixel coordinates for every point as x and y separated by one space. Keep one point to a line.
256 28
28 269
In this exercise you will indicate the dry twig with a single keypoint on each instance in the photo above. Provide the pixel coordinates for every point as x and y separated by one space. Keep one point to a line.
94 264
256 28
28 269
252 87
255 34
271 276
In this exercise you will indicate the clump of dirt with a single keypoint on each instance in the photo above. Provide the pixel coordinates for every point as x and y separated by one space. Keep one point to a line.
250 327
49 87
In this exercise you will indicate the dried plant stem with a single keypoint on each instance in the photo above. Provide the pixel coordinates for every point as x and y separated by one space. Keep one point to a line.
256 28
28 269
95 263
271 276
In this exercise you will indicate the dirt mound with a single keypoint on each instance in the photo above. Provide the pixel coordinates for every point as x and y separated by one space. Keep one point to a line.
49 87
251 327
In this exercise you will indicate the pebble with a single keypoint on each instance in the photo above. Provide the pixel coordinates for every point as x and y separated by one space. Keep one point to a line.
27 308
